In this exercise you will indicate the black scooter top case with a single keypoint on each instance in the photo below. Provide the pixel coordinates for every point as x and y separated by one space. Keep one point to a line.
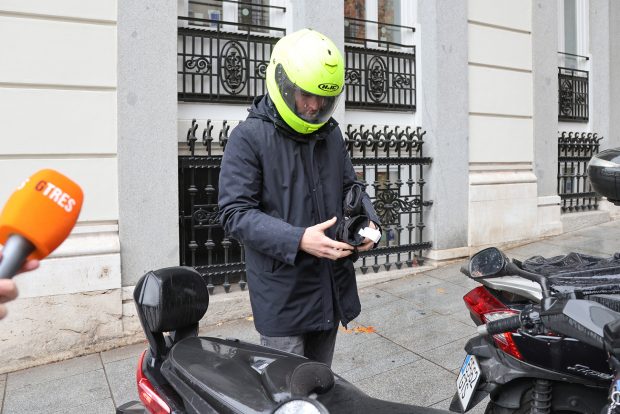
239 377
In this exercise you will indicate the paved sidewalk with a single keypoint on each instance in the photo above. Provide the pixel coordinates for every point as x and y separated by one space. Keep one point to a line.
420 326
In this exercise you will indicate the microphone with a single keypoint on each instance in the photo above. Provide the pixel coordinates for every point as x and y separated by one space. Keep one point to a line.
37 218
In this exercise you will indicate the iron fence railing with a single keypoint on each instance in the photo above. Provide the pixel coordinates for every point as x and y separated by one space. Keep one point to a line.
389 159
574 151
203 244
381 71
225 61
573 95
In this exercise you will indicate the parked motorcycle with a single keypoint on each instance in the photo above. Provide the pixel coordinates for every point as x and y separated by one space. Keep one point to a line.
557 315
529 368
524 369
181 372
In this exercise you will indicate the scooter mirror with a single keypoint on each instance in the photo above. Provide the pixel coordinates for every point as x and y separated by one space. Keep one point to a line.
489 262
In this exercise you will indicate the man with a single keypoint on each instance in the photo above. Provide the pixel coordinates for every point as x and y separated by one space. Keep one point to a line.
284 176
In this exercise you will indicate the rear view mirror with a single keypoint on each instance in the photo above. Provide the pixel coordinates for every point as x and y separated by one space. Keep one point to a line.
489 262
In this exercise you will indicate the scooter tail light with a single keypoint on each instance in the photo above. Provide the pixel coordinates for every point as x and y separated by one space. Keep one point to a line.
485 308
504 340
153 403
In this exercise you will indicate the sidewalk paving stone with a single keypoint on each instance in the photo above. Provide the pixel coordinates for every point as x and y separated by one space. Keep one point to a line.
121 377
55 371
419 383
2 388
429 333
450 356
372 298
105 406
369 358
62 394
394 314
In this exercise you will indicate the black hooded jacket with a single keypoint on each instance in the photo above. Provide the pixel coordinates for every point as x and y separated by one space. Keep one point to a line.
274 183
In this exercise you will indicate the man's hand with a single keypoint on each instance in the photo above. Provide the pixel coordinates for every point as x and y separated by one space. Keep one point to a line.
368 244
8 289
315 242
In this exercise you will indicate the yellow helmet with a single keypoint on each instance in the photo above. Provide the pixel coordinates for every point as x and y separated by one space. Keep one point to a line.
305 78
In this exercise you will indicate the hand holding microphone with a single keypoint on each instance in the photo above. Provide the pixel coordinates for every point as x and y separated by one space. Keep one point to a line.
37 218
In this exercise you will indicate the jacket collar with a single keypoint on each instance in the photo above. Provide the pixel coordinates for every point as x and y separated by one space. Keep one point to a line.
264 108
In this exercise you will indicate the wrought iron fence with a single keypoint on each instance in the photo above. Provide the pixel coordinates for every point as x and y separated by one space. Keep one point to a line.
574 151
203 244
573 95
389 159
380 73
223 61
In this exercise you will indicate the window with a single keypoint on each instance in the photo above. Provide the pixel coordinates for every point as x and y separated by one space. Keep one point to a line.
573 38
241 15
378 20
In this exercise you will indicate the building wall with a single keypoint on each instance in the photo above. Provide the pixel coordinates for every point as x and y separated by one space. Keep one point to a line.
502 192
58 86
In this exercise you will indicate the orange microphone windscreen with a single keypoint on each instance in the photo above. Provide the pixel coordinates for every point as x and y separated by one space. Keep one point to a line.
43 209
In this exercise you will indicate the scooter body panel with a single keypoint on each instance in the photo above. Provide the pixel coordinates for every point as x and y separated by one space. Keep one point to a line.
238 377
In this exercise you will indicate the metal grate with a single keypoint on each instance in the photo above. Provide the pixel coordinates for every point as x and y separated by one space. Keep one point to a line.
574 152
223 61
391 161
380 74
573 95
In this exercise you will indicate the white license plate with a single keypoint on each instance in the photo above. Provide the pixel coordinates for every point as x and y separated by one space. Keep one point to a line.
467 381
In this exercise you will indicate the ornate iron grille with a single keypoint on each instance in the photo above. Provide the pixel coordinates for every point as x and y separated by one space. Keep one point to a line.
203 244
573 96
380 74
389 159
217 65
574 151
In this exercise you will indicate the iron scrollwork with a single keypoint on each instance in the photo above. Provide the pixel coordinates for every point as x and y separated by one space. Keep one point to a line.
377 79
389 206
233 67
352 76
261 69
200 65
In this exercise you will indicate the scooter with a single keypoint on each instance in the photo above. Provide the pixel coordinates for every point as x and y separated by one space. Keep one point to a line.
181 372
558 315
520 369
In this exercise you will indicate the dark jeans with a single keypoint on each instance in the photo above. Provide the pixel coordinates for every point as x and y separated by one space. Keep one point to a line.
318 345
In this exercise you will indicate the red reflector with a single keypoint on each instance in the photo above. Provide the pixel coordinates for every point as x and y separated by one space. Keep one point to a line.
486 307
149 397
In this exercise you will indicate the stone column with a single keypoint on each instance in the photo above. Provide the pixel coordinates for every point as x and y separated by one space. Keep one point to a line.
613 140
147 142
545 74
442 96
600 69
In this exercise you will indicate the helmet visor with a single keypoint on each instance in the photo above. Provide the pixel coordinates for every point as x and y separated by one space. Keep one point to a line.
312 108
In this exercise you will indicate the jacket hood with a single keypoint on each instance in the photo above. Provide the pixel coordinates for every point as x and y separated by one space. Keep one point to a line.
263 108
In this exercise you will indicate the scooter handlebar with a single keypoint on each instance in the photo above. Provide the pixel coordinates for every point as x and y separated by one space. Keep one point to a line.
500 326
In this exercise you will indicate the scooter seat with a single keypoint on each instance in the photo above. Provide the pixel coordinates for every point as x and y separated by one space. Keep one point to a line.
232 374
